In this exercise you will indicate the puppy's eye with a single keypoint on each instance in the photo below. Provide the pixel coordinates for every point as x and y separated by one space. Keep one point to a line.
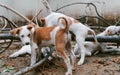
22 35
28 35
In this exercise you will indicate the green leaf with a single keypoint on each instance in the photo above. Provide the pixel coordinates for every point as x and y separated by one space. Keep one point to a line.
8 69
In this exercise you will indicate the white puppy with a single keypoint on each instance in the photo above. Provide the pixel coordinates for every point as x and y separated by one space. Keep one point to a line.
78 29
92 46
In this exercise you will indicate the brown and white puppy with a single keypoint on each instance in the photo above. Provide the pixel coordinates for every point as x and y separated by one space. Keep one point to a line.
48 36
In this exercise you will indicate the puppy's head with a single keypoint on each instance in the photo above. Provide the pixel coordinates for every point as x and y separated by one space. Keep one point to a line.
111 30
24 33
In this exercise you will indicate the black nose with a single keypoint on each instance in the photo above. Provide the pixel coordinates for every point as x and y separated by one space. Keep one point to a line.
27 43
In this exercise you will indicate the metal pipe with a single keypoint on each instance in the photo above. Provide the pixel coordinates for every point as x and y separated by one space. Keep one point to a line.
115 39
8 36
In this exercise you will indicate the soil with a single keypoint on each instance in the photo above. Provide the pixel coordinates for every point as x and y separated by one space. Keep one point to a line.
100 64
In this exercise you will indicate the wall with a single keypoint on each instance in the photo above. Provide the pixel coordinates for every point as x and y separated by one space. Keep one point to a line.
107 8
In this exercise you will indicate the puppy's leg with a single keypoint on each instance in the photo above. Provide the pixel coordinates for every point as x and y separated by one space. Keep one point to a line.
67 61
72 55
65 58
80 42
87 52
34 48
76 49
23 50
73 59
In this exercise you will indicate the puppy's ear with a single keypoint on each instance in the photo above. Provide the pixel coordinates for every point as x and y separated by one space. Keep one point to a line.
109 32
42 20
15 31
29 27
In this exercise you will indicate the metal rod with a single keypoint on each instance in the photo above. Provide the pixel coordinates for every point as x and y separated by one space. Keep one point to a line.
115 39
8 36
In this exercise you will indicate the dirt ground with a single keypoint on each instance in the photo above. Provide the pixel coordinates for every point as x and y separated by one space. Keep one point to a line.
100 64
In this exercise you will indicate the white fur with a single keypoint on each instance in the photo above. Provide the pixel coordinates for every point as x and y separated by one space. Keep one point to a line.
33 52
24 32
112 30
25 49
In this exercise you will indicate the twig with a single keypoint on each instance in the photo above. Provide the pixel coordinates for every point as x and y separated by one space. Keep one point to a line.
87 4
117 23
16 12
5 24
94 17
11 27
11 23
36 15
27 69
1 51
47 5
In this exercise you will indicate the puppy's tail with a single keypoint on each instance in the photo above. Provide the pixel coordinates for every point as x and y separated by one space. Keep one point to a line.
95 38
63 23
96 42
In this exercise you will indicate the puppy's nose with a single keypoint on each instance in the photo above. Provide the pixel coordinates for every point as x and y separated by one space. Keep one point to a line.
27 43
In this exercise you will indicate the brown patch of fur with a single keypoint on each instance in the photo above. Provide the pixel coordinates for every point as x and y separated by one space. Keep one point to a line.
42 34
60 42
64 22
43 22
30 26
15 31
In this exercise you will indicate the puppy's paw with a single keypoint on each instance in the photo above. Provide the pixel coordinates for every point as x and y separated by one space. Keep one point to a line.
80 63
50 58
68 73
13 55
